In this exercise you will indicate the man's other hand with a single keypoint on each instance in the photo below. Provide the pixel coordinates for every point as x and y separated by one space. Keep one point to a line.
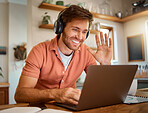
67 95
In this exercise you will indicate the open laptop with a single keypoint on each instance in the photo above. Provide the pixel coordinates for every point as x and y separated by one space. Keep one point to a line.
104 85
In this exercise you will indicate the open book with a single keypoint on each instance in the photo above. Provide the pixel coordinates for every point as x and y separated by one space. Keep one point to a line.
31 110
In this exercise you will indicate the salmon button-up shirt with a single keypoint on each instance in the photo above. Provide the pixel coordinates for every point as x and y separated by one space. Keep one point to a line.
45 64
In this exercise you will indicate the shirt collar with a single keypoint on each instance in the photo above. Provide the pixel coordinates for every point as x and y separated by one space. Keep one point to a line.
54 43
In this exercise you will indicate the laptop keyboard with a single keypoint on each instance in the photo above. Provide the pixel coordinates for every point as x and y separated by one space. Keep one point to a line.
67 105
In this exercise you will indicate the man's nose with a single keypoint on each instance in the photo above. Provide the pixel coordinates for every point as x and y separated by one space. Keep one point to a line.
80 35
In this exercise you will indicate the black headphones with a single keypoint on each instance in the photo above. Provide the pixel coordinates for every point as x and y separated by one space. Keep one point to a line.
59 25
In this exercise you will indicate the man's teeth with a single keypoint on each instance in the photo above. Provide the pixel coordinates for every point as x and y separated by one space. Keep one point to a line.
75 41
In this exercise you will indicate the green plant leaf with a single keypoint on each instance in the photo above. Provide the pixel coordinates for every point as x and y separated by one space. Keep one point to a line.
0 68
1 75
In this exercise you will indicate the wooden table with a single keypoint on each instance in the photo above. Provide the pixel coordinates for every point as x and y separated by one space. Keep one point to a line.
120 108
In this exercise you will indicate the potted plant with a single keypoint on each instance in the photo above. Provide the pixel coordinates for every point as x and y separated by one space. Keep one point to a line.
46 19
1 74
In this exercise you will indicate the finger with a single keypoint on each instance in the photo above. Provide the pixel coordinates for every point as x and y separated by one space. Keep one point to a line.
77 91
75 94
110 42
74 90
71 101
101 37
106 39
76 97
97 41
72 93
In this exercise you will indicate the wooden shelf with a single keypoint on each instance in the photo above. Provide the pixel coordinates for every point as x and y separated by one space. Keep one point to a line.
96 15
134 16
51 26
51 6
4 83
106 17
94 31
47 26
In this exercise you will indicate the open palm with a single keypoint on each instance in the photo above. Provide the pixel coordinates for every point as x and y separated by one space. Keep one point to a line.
104 50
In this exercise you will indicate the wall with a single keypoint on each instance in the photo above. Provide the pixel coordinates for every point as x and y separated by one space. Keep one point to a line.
13 31
135 27
22 2
127 6
17 35
34 34
4 40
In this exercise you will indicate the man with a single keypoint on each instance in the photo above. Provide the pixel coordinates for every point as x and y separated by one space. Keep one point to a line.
53 67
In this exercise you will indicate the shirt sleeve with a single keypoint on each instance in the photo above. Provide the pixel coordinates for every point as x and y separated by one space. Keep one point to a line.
34 62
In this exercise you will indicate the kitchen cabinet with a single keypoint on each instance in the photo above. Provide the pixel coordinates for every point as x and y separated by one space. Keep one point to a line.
4 93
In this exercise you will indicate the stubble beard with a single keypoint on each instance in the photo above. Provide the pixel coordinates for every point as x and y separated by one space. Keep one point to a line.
65 41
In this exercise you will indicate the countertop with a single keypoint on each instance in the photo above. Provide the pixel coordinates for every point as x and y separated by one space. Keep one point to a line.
4 84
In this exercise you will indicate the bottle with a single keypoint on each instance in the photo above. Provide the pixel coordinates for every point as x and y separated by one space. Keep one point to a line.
105 8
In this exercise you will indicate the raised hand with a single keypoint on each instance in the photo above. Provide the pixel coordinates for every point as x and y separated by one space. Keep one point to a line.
104 50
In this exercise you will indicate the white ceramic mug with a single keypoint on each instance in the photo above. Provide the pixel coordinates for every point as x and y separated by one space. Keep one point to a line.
133 88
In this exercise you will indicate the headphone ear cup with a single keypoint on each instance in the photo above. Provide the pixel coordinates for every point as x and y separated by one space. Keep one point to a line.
55 26
58 26
87 34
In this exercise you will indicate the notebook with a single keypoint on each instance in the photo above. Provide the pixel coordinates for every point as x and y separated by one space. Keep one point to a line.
132 99
31 110
104 85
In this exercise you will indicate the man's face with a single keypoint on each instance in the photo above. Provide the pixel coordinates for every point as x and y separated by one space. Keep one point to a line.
74 33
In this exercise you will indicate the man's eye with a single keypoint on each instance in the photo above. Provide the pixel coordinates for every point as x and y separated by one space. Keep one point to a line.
74 29
84 32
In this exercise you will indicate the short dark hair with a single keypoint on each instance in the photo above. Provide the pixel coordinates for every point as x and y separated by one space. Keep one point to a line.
75 11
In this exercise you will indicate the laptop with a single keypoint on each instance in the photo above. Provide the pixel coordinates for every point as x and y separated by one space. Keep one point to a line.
104 85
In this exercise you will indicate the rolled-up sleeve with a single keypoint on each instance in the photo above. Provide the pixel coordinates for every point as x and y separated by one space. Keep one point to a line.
34 62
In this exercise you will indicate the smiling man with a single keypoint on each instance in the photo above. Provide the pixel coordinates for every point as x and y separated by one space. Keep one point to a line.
73 36
53 67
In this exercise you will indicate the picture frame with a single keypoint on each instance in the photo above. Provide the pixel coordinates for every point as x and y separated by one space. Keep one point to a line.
135 48
2 50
